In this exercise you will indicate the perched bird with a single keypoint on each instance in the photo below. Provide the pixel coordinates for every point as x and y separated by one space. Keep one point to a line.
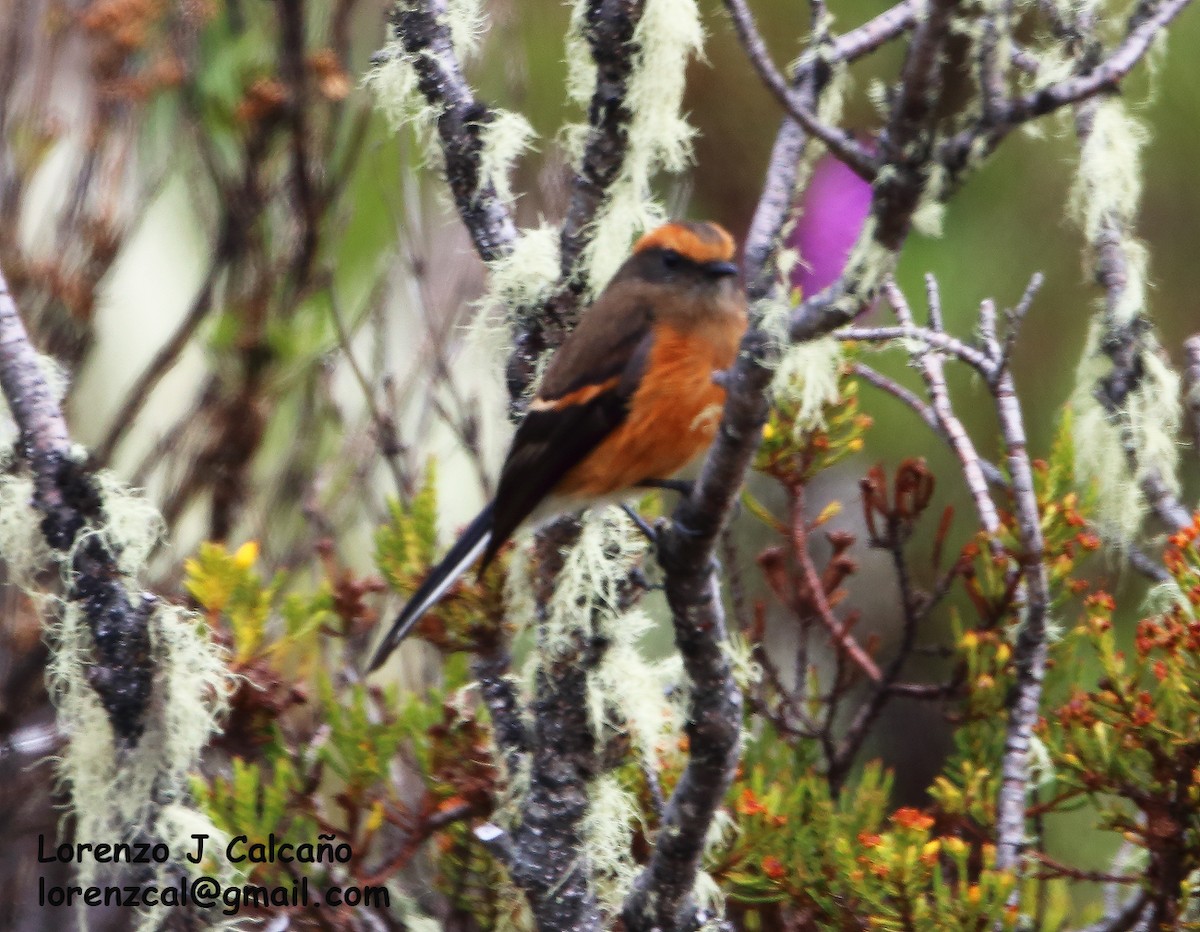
628 400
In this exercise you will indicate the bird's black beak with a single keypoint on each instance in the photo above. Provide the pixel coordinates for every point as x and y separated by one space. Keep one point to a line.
721 269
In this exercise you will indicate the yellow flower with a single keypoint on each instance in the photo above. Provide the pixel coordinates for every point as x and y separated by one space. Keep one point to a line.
246 555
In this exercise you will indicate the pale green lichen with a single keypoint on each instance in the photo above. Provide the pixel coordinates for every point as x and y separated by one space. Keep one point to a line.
1104 203
394 82
587 591
807 375
519 280
746 671
23 547
505 139
525 276
119 794
929 216
1105 195
627 692
608 836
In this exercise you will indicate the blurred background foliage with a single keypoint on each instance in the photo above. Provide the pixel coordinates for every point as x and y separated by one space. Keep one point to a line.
199 190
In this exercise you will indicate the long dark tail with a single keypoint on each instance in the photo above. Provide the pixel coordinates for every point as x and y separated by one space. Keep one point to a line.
470 545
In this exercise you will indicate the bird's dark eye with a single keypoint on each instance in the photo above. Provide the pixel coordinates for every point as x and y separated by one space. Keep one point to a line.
671 258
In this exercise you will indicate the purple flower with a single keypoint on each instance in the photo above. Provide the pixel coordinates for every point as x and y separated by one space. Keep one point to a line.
834 206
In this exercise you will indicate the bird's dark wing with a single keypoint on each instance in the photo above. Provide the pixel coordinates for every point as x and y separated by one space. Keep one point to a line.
585 397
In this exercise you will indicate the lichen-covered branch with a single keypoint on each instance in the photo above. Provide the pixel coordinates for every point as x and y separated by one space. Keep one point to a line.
546 850
1137 392
609 30
1105 76
69 502
660 898
422 29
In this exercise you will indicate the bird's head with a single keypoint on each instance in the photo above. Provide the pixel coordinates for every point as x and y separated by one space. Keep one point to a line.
692 259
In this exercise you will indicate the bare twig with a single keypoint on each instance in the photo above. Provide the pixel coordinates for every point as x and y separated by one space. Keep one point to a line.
165 358
385 425
930 364
841 144
935 339
838 631
1030 651
866 38
906 148
924 412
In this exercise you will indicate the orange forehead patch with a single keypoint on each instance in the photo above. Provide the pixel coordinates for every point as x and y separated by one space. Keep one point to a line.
700 242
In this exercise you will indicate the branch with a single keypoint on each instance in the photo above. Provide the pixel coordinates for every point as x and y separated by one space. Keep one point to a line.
546 847
990 472
1104 77
139 393
777 200
69 501
1126 917
935 339
779 187
421 28
930 364
841 144
1030 651
660 897
906 148
875 32
609 34
511 736
839 632
609 31
1125 336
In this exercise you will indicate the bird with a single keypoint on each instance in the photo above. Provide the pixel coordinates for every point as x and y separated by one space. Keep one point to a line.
630 398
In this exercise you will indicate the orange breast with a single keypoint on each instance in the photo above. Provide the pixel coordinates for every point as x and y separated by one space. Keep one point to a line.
673 415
